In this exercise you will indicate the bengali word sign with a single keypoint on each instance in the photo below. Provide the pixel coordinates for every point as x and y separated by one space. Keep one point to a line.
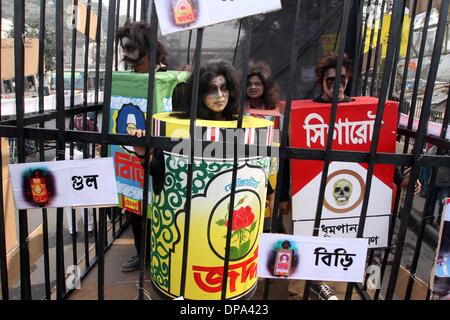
76 183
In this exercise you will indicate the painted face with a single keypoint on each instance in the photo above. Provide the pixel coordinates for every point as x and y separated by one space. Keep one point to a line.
255 87
131 53
328 84
217 97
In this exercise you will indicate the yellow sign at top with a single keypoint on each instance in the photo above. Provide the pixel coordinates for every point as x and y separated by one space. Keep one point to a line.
385 35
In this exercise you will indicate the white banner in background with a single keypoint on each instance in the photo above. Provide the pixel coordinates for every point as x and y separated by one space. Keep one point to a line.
76 183
311 258
181 15
32 104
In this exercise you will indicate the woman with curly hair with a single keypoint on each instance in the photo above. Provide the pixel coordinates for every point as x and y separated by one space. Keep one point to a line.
218 93
263 101
262 91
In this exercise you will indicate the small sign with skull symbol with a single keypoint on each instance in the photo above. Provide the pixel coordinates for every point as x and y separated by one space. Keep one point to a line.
345 191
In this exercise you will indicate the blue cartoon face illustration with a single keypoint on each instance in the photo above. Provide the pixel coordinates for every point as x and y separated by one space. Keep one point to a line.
129 118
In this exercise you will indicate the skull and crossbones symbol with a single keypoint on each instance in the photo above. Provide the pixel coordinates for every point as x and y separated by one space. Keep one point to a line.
342 191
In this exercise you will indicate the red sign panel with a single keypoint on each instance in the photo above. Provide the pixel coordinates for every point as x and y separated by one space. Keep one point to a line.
354 126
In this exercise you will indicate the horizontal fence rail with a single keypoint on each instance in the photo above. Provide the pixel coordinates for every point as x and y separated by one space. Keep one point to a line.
380 40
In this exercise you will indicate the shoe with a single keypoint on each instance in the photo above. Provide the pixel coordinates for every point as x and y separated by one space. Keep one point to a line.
130 265
324 292
91 233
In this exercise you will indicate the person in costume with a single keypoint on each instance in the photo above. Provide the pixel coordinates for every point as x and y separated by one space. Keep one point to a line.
134 40
218 93
262 100
325 78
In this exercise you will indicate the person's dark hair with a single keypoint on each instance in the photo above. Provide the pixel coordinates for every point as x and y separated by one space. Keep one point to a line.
139 35
213 69
329 61
271 94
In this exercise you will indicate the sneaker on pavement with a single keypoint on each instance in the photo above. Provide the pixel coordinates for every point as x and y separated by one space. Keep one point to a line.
324 292
130 265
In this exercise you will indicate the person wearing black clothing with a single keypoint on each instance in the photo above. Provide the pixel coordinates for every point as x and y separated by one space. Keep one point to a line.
134 39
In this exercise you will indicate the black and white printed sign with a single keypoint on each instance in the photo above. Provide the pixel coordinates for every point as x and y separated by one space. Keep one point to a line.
76 183
312 258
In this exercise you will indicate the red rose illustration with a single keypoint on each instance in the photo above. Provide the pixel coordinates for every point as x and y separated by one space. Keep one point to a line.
242 217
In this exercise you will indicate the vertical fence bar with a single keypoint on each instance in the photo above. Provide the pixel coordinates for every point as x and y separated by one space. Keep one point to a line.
86 238
106 227
387 250
333 114
407 58
276 218
96 231
237 42
73 64
116 41
3 266
19 68
193 110
72 83
72 118
248 26
60 152
144 9
369 55
418 145
42 31
74 236
395 27
41 68
104 152
97 66
423 42
135 10
128 9
359 64
1 88
397 55
86 59
359 39
150 93
87 32
377 50
97 53
188 59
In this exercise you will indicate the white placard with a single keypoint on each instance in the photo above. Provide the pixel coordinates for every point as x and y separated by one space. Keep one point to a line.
344 223
312 258
348 228
76 183
181 15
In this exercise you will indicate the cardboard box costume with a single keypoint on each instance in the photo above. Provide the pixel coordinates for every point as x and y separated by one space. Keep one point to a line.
345 186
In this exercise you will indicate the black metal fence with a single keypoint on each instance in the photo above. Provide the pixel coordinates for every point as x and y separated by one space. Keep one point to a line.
109 223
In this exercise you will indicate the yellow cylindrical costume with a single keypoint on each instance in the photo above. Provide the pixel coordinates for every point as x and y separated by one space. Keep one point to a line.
198 241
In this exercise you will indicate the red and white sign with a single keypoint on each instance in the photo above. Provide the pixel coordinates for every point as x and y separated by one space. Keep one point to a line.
345 186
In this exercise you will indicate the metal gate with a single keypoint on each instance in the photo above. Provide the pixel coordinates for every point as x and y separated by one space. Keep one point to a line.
375 75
